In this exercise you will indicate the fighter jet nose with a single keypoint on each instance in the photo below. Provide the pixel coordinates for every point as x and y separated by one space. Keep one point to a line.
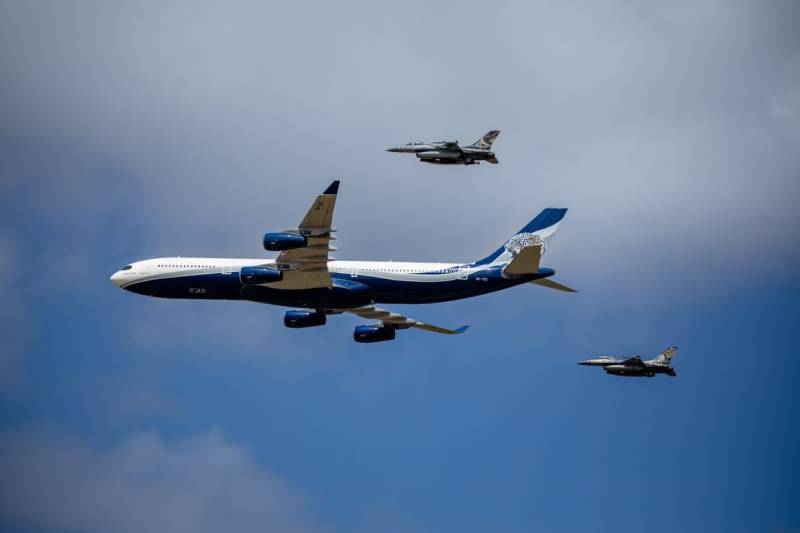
393 149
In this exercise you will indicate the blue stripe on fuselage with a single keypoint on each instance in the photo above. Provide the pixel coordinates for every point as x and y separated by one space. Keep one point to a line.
348 291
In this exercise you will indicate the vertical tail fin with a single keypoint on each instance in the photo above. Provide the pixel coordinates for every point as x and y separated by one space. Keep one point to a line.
666 355
537 232
486 141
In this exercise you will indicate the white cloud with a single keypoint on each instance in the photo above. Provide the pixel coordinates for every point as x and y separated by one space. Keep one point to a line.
122 401
200 483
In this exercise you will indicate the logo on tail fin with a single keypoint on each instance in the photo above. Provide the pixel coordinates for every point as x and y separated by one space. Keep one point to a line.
523 240
536 232
487 140
667 355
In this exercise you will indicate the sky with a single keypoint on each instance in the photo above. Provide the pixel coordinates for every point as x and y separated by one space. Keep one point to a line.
670 130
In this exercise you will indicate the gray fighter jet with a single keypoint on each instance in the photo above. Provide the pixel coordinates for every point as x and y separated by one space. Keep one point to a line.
634 366
450 153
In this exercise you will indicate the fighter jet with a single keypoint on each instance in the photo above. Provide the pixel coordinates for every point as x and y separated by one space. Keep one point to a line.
450 153
634 366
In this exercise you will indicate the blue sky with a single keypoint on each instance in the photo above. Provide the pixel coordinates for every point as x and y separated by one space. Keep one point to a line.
671 132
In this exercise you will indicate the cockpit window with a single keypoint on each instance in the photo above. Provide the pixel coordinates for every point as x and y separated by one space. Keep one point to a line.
127 267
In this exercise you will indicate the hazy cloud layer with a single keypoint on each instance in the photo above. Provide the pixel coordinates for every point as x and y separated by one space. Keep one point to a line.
671 131
662 129
13 317
146 483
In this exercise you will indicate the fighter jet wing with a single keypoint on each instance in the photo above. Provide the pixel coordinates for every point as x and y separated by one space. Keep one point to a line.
399 321
307 267
634 362
450 145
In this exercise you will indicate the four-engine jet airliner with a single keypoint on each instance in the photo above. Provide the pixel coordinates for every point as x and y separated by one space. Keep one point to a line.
634 366
305 275
450 153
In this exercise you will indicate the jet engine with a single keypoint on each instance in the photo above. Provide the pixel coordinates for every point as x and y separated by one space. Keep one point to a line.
278 242
256 275
303 319
373 333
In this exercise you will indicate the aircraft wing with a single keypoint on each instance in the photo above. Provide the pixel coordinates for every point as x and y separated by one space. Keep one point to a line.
450 145
399 321
307 267
634 362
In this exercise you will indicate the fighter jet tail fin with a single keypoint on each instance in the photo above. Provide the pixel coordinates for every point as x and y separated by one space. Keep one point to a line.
486 141
667 355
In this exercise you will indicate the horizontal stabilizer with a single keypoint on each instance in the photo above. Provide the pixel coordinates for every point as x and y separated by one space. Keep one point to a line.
549 283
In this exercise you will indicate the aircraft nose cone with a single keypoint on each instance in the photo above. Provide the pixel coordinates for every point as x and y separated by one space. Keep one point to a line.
116 279
394 149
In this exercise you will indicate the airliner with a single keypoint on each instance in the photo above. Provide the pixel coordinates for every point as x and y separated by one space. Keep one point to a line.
305 276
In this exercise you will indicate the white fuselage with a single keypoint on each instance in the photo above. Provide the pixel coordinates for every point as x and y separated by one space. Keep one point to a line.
182 266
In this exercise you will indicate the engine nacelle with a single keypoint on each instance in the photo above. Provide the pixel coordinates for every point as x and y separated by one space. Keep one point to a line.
303 319
373 333
278 242
257 275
